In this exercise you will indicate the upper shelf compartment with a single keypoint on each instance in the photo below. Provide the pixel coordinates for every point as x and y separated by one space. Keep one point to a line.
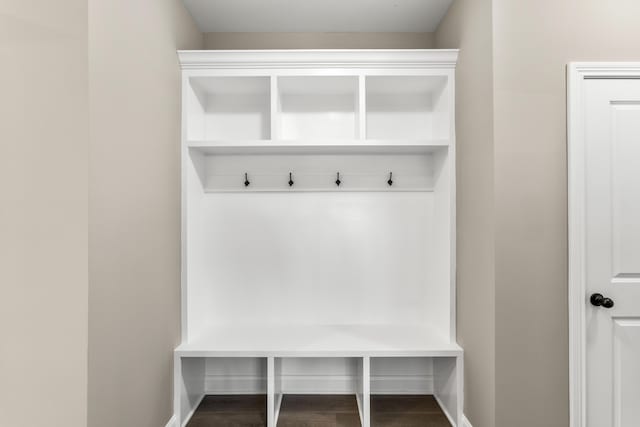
407 107
318 107
325 99
228 108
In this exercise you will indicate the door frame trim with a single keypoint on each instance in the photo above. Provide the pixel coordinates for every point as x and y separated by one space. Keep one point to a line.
577 73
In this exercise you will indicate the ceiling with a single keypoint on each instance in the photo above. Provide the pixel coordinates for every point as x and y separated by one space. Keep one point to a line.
318 15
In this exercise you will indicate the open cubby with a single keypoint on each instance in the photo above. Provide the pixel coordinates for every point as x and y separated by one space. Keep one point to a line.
407 107
294 284
410 379
228 108
200 376
312 107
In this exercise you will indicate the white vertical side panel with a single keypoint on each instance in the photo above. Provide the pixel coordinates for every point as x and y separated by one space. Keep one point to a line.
275 109
451 159
271 419
193 103
189 386
363 394
362 108
448 387
278 394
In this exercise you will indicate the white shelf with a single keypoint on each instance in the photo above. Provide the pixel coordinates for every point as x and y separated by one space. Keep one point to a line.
319 341
320 146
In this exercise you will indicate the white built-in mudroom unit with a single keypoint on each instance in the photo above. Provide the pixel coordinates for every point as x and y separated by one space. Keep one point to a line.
318 230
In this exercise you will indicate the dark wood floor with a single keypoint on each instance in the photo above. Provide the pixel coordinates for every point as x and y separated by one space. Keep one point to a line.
319 411
406 411
231 411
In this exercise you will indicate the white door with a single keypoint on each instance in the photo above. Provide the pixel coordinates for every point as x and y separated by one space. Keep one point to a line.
612 251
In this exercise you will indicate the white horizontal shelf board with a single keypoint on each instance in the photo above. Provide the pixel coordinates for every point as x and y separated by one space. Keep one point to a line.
319 341
319 146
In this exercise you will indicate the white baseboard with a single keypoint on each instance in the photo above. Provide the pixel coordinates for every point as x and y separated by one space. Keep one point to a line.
465 422
173 422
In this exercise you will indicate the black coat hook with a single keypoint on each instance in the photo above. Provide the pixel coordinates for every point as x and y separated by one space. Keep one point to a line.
290 180
338 182
390 182
246 180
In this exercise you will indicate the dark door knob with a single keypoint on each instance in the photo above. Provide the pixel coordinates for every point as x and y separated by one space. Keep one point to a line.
600 301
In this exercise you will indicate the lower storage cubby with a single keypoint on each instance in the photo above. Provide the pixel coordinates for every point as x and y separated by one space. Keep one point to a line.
415 391
323 391
329 390
221 391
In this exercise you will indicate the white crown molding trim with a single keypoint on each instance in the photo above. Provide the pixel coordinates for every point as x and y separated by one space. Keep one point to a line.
465 422
268 59
577 73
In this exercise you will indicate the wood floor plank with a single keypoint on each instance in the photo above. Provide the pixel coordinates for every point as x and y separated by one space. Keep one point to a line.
319 411
319 402
405 404
409 420
231 411
406 411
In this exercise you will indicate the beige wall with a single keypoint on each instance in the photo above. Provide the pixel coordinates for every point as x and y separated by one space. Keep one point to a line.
134 207
43 213
467 26
533 42
319 40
